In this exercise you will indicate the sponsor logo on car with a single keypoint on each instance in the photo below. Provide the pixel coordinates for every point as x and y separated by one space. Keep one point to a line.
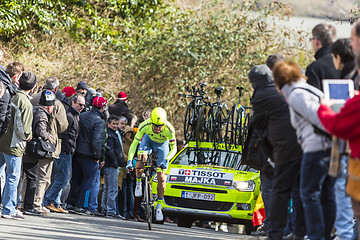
199 176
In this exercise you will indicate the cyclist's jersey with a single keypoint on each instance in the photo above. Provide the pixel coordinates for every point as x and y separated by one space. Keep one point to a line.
168 133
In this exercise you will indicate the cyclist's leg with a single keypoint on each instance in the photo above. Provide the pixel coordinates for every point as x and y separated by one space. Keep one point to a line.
162 150
143 152
142 157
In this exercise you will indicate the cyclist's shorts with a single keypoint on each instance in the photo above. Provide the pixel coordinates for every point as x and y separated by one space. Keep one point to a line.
161 150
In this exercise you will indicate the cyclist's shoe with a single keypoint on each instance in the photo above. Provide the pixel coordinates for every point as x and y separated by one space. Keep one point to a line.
129 165
138 190
158 213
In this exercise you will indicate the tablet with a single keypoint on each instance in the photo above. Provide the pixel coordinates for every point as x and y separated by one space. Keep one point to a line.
339 90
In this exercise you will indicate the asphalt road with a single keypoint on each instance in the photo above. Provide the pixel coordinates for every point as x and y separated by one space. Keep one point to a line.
71 226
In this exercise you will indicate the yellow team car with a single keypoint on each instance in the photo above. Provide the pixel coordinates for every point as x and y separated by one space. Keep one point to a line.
207 183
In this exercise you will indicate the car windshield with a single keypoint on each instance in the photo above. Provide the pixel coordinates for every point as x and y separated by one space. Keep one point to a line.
211 157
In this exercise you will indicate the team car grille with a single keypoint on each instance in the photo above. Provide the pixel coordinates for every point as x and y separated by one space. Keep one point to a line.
199 189
198 204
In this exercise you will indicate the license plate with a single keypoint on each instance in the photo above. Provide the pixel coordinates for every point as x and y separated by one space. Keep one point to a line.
200 196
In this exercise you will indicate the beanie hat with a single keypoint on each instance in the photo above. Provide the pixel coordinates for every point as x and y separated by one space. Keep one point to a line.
27 81
99 102
91 91
122 96
47 98
69 91
82 85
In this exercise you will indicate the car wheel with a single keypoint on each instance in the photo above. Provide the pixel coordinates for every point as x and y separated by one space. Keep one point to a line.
249 228
183 222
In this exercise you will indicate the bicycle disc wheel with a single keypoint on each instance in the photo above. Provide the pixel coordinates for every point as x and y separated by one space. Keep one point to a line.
189 122
148 210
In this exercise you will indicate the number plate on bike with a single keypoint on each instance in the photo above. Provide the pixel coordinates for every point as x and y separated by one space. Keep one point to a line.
200 196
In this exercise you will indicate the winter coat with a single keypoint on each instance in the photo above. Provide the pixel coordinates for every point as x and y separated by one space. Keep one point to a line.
5 101
322 68
127 137
114 153
13 142
303 111
58 122
271 112
68 138
345 124
119 108
40 128
92 129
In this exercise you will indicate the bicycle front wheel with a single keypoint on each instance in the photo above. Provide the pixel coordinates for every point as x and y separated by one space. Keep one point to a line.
148 210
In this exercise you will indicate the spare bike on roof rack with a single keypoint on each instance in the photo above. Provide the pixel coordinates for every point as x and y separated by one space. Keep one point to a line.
237 123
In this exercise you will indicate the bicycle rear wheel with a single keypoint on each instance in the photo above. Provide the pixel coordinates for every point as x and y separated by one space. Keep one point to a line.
245 129
190 121
237 126
200 126
148 210
220 121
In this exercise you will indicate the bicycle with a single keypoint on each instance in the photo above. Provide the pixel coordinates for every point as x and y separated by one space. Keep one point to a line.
193 111
148 199
237 123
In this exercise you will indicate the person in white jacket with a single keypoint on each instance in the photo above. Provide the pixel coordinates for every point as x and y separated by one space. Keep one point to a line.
316 187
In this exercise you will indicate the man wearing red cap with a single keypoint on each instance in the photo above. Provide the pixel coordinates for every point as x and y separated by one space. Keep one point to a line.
68 92
119 108
87 158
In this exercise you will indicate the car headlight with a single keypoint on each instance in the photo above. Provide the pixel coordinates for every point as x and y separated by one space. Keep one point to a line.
244 186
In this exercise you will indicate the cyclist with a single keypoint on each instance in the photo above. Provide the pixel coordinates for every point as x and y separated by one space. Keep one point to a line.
158 135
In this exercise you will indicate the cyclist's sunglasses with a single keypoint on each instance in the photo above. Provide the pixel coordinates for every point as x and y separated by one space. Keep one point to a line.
158 126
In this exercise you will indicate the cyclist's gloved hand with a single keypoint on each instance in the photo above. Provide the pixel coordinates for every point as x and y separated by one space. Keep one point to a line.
129 165
163 164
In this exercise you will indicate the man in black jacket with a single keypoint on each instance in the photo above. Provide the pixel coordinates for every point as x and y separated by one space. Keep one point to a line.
119 108
323 35
87 158
113 160
62 164
271 113
10 78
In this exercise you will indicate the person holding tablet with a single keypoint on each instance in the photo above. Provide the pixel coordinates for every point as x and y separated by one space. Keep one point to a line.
345 125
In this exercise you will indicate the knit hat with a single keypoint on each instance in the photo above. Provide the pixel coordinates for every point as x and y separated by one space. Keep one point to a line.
122 96
99 102
91 91
82 85
47 98
27 81
69 91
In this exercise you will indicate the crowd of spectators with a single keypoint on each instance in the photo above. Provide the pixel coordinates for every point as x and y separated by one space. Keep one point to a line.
305 138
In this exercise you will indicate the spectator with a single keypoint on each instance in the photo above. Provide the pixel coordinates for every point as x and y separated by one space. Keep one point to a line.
323 35
87 158
13 142
286 152
58 124
316 187
273 59
120 107
41 128
113 160
345 125
343 58
82 88
68 146
126 179
180 144
10 78
68 92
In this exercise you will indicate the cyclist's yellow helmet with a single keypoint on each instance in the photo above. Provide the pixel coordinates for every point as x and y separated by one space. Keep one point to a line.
158 116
